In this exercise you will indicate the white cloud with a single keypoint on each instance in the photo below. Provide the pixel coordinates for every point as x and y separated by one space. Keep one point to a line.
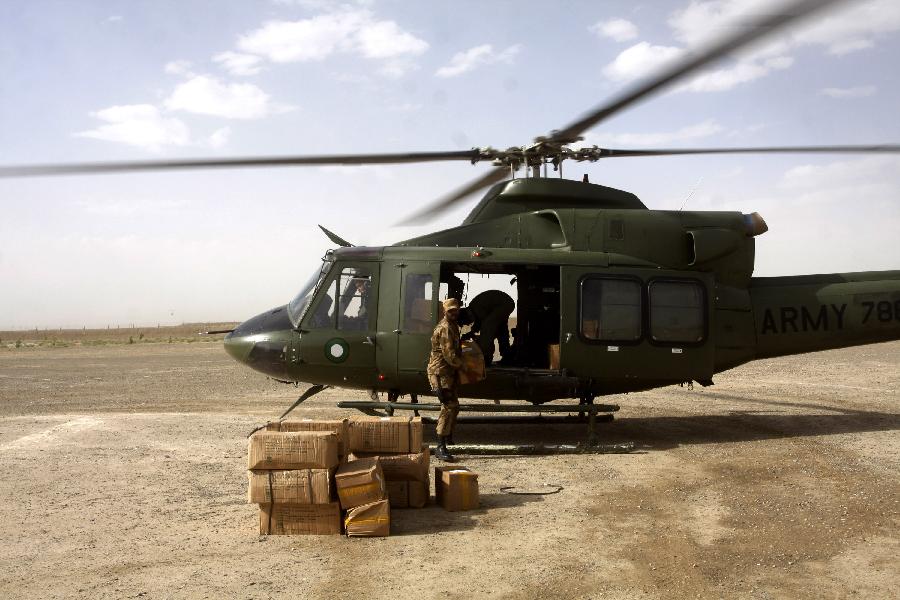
219 138
463 62
691 132
620 30
639 60
237 63
851 92
139 125
853 28
206 95
725 79
114 19
317 38
178 67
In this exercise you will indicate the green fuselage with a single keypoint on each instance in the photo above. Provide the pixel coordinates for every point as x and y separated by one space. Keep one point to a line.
628 298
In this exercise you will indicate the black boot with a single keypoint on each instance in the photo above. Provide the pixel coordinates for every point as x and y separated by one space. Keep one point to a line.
442 453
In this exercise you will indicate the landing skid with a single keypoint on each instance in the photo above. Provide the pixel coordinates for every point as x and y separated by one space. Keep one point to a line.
586 410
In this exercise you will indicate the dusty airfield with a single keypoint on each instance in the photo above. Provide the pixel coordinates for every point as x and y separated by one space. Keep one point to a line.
122 475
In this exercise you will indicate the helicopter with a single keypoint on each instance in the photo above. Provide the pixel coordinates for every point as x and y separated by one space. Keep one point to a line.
612 297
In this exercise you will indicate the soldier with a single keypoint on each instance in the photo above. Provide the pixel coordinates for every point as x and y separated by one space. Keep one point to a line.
488 313
443 373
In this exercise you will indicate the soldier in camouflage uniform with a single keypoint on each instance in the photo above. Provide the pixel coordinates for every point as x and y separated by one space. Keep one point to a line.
443 373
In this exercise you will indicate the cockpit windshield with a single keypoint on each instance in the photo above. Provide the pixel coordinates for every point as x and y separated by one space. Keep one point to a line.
297 307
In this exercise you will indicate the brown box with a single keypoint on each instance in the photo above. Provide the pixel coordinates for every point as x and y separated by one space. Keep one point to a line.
473 363
419 493
301 450
385 434
398 494
360 482
369 520
336 426
456 488
400 467
303 486
300 519
553 356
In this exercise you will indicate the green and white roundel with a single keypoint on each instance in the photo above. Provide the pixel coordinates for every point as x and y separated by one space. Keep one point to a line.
336 350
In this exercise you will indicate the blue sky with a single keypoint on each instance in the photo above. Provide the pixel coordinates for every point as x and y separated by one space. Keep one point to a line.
157 79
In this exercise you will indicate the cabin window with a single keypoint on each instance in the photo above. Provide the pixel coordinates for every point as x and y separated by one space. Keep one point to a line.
351 311
611 309
417 301
677 312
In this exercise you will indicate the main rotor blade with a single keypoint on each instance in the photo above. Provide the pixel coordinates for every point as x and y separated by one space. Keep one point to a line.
217 163
877 149
752 30
435 208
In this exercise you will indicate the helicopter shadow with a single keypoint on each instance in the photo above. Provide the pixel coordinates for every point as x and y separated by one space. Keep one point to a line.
671 431
427 520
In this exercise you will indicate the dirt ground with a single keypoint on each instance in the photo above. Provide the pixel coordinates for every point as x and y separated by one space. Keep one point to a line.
122 475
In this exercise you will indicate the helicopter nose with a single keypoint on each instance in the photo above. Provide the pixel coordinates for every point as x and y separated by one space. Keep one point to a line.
262 342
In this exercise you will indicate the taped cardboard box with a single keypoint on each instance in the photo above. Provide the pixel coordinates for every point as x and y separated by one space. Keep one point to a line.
369 520
302 486
300 519
473 363
335 426
456 488
385 434
360 482
400 467
300 450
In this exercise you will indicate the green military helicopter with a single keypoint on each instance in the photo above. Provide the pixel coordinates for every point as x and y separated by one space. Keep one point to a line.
612 297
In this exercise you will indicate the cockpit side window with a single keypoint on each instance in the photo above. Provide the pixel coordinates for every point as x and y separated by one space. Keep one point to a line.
343 302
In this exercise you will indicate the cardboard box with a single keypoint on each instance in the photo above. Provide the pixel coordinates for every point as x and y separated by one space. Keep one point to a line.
300 519
301 450
401 467
408 494
473 363
553 356
385 434
398 494
419 493
360 482
335 426
303 486
456 488
369 520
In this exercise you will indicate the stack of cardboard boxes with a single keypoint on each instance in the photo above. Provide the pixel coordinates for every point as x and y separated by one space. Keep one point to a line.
304 473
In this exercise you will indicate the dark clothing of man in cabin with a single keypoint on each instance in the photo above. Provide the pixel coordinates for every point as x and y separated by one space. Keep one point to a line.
489 313
444 364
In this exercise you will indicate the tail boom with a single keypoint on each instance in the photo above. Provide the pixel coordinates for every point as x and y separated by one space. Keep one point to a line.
808 313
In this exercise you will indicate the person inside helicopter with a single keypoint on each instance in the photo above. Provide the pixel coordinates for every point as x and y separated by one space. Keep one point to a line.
488 314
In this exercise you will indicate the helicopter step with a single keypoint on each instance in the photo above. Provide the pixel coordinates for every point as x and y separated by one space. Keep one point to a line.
587 408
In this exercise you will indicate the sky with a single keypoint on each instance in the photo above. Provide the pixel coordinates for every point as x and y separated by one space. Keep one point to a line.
155 79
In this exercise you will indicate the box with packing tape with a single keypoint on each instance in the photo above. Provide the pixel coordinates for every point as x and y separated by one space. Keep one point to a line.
335 426
360 482
369 520
303 486
473 363
300 450
300 519
456 488
400 467
384 434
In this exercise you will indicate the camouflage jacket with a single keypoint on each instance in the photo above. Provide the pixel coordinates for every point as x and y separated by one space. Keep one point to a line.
446 351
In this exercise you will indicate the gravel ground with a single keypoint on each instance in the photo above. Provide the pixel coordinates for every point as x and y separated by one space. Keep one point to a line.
123 476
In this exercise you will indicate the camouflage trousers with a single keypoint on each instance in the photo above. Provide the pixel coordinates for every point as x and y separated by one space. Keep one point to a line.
450 407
